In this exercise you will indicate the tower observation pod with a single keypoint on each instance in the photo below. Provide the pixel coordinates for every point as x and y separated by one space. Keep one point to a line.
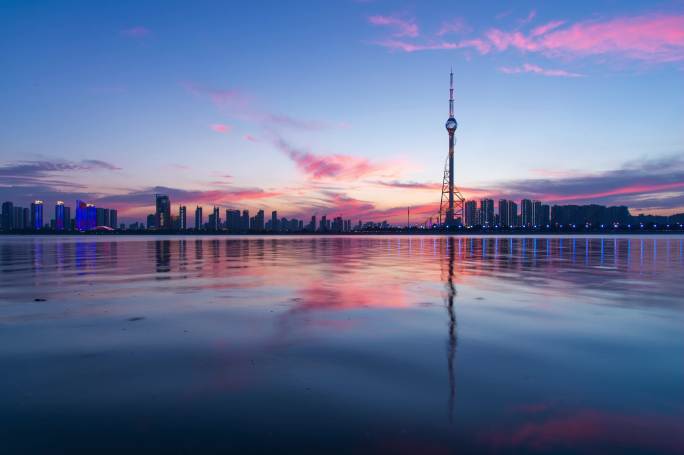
452 201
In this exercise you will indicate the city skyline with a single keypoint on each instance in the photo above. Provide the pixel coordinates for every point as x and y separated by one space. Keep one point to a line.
532 214
197 118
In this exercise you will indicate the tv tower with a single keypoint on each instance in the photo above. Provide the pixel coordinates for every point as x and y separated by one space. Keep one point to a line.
454 199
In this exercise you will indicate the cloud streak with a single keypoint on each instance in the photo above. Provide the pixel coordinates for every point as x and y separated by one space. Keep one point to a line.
401 27
536 69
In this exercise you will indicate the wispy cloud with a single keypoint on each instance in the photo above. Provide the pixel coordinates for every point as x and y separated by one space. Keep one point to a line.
653 38
401 27
336 166
136 32
32 172
456 25
250 138
432 186
536 69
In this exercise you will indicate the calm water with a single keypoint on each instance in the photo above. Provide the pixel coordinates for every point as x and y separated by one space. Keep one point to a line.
319 344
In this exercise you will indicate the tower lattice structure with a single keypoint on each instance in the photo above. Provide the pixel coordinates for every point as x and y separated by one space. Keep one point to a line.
452 201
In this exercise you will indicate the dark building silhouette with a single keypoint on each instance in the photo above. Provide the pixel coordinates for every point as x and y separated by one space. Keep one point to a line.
233 220
198 218
7 216
471 214
245 220
162 219
592 215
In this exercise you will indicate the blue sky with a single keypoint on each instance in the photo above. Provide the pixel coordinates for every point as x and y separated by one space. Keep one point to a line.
339 107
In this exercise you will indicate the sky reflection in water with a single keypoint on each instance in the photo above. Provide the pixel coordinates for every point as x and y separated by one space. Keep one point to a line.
382 343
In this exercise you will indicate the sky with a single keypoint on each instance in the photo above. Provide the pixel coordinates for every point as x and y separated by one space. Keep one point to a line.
338 107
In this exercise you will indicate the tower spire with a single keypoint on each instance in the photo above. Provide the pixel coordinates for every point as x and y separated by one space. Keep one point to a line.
451 93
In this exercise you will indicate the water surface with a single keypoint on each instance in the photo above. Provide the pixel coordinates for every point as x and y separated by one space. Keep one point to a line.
320 344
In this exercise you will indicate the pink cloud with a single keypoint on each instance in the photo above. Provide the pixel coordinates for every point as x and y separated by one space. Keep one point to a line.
651 37
250 138
654 37
221 128
402 27
136 32
623 190
535 69
332 166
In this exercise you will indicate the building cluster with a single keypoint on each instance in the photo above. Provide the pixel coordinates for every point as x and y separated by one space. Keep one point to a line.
234 220
531 214
535 214
87 217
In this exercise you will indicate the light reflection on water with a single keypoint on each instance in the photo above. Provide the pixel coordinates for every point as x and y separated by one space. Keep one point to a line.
382 343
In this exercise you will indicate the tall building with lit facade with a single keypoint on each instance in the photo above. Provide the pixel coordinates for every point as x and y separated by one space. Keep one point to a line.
163 212
487 212
182 218
513 214
59 216
537 212
526 213
504 213
37 215
471 213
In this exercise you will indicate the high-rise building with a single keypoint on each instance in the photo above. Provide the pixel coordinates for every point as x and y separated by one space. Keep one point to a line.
163 212
537 212
182 218
324 224
102 216
81 215
513 213
504 213
259 221
471 213
245 220
486 212
113 218
215 220
22 218
526 213
198 218
545 217
233 220
312 224
7 216
274 220
37 215
59 216
151 219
